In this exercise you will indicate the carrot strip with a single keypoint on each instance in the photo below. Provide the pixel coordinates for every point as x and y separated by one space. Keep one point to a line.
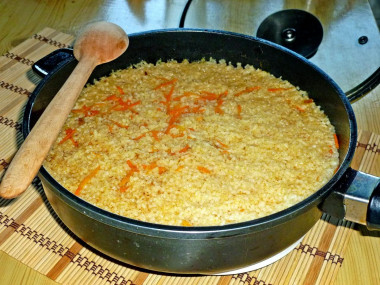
69 136
209 96
220 102
155 135
153 165
139 137
86 180
87 111
336 141
177 111
121 91
308 101
126 105
122 105
125 180
238 111
186 148
119 125
181 134
112 98
185 94
132 166
166 83
221 144
247 90
218 108
203 169
278 89
161 169
299 108
150 166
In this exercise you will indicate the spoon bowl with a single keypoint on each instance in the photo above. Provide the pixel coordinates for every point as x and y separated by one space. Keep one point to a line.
103 40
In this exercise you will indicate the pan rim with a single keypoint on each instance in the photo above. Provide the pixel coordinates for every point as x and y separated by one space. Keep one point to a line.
200 232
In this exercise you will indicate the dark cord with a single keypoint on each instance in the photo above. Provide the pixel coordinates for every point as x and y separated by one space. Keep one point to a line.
184 13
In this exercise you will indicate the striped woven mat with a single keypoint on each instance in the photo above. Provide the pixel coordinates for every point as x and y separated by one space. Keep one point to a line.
31 233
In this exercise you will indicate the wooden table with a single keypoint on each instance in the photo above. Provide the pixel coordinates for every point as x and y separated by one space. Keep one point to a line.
21 19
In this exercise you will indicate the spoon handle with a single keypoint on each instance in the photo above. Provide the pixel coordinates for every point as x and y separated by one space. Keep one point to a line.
29 158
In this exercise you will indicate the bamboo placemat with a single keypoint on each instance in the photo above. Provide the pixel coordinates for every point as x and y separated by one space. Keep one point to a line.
31 233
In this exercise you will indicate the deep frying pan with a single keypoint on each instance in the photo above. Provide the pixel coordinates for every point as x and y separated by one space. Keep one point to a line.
208 250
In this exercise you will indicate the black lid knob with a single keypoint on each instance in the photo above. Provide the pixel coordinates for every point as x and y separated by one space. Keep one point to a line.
294 29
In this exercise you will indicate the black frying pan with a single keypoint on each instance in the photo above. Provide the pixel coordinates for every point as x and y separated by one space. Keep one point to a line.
214 249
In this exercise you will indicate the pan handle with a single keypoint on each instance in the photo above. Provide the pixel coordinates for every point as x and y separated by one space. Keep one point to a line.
53 60
356 198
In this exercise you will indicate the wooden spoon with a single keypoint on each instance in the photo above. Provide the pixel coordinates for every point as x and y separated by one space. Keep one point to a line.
98 43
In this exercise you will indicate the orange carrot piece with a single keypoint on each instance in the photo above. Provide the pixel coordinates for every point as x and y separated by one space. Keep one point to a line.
119 125
178 110
186 148
203 169
218 108
139 137
155 135
86 180
168 98
125 180
166 83
221 144
238 111
69 136
220 102
209 96
150 166
247 90
132 166
299 108
161 170
308 101
69 133
121 91
123 188
185 94
87 111
278 89
112 98
181 134
336 141
126 105
153 165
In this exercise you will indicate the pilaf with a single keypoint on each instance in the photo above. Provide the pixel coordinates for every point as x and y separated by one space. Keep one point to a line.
194 144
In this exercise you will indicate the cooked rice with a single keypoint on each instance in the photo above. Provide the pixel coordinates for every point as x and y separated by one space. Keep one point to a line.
194 144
